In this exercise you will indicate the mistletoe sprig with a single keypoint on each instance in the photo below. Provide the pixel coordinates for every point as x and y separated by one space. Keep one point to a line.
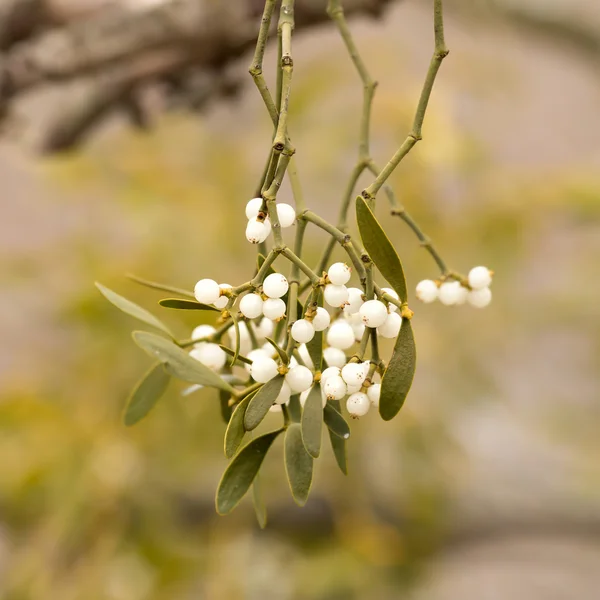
299 346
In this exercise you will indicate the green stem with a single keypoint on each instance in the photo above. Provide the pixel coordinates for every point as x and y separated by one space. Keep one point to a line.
160 286
296 260
264 269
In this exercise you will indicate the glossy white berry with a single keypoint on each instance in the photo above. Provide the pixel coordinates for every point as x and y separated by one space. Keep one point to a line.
340 335
463 293
354 302
450 293
275 285
274 308
354 319
336 295
265 328
334 357
480 298
284 395
427 291
330 372
207 291
373 313
254 354
391 328
210 355
303 331
202 331
353 374
263 369
479 278
359 330
358 404
286 214
339 273
299 379
373 393
335 388
245 341
251 306
353 388
391 307
256 231
305 356
222 301
253 208
321 319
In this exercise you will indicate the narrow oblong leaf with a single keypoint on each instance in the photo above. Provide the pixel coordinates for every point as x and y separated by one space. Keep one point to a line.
298 464
282 353
335 421
146 394
399 374
226 410
261 402
312 421
242 470
239 357
234 434
132 309
260 508
155 285
338 446
178 362
380 248
181 304
295 408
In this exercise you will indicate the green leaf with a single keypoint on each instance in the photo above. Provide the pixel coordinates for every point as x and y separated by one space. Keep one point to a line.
239 357
261 402
235 431
285 359
335 422
242 470
146 394
312 421
380 248
338 444
399 374
259 503
132 309
295 408
178 362
298 464
226 410
236 327
181 304
315 346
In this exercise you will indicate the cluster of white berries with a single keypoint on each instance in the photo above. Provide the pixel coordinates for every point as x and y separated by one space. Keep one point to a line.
258 230
452 293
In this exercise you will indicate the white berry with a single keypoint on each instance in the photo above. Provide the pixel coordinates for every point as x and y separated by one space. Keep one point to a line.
303 331
354 374
334 357
284 395
391 327
210 355
251 306
207 291
340 335
275 285
358 404
391 307
335 388
330 372
321 319
265 328
463 293
222 301
373 393
480 298
286 214
373 313
254 354
359 330
263 369
479 278
427 291
202 331
305 356
275 408
339 273
245 341
354 302
450 293
299 379
256 231
274 308
253 208
336 295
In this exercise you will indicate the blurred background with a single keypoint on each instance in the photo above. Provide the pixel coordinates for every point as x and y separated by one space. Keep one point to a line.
487 485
